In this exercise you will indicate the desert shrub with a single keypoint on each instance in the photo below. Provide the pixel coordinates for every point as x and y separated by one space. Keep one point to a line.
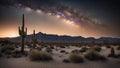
92 55
84 49
4 48
75 58
75 51
66 60
17 54
66 52
7 49
108 46
52 47
48 49
62 51
39 56
8 52
118 48
98 48
61 46
16 46
39 48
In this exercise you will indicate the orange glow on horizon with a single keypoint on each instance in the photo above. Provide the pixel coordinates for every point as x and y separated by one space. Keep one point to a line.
8 34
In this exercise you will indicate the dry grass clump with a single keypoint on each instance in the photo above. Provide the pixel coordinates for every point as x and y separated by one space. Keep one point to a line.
62 51
5 48
48 49
40 56
75 51
84 49
62 46
94 56
66 61
75 58
97 48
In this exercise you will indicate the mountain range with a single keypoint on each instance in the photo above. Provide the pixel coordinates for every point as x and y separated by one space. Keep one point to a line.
62 38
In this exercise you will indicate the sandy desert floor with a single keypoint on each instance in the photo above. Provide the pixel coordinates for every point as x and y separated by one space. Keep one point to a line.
57 62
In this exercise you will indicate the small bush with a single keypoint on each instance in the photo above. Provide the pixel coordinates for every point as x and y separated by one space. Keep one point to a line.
75 58
48 49
62 51
17 54
39 48
75 51
39 56
8 52
118 48
66 52
4 48
108 46
94 56
52 47
98 49
61 46
84 49
66 61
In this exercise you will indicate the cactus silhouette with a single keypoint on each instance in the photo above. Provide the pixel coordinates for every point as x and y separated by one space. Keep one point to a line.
112 52
22 33
34 40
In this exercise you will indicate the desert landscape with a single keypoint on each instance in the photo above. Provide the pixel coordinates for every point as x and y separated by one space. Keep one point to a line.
59 34
60 55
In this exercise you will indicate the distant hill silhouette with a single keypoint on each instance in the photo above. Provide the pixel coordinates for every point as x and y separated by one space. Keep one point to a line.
62 38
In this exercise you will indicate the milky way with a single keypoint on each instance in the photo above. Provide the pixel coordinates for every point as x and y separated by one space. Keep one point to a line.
64 12
53 8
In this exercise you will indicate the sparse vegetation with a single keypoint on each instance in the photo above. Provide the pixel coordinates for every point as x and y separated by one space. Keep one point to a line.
39 48
39 56
108 46
75 51
84 49
4 48
75 58
112 53
61 46
16 54
97 48
92 55
48 49
66 60
62 51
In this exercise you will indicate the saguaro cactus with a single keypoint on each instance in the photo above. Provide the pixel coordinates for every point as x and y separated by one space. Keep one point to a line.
22 33
112 52
34 40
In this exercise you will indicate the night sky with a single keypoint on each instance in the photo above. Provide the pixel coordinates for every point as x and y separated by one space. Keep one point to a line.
87 18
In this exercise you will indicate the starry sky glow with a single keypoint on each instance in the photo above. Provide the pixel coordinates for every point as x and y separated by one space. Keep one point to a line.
87 18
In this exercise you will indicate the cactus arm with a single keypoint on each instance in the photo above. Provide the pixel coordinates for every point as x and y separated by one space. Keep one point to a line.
26 32
19 30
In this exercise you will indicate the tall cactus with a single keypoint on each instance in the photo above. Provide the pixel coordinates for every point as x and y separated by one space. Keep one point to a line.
22 33
34 40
